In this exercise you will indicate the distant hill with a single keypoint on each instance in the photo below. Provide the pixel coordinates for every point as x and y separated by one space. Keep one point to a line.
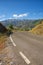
16 22
22 24
38 29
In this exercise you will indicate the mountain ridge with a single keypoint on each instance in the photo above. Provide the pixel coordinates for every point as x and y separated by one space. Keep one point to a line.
24 23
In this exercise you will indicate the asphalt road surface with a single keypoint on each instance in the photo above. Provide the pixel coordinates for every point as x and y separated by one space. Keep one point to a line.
29 47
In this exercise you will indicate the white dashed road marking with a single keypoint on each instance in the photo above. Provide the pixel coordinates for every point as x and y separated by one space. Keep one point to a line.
22 55
12 41
25 58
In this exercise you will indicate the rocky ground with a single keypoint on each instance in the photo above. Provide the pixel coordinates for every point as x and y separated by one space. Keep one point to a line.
9 55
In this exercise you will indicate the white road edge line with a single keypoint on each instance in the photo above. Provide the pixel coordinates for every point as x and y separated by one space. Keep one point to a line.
25 58
0 63
12 41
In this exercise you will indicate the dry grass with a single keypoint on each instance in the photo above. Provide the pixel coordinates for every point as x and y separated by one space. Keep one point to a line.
3 38
38 29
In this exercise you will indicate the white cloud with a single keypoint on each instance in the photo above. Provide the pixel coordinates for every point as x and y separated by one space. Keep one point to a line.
2 16
20 15
15 15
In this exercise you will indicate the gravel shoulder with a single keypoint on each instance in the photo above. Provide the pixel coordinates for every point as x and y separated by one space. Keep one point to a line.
10 56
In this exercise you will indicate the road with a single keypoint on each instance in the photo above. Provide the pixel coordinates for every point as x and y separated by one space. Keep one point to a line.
30 45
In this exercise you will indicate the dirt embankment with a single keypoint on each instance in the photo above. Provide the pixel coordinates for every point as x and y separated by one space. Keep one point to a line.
3 39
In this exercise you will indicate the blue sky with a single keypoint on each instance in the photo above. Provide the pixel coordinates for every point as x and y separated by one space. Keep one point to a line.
21 9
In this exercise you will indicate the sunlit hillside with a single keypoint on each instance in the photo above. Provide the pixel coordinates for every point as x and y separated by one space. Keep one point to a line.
38 29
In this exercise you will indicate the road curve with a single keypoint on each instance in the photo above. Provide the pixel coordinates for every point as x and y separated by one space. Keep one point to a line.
31 45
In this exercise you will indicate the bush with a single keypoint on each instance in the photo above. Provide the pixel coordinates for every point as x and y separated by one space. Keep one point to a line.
10 27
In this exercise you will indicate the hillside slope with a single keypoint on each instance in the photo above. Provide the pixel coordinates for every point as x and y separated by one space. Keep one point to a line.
38 29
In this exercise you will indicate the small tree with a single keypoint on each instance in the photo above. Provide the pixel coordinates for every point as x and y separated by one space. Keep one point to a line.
10 27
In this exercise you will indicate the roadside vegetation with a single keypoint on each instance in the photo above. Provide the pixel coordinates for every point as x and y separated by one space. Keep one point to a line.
38 29
4 33
10 28
3 38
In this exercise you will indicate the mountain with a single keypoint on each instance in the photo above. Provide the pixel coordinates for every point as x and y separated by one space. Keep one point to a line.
15 22
23 24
